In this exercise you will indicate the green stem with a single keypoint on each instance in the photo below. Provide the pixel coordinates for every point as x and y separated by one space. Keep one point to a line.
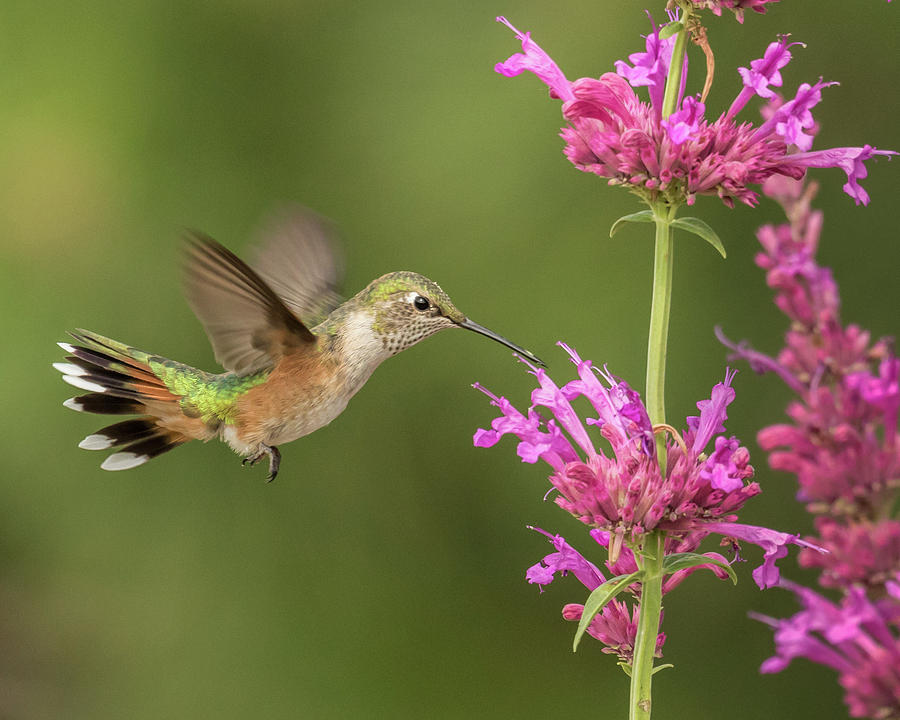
676 67
653 549
659 324
648 627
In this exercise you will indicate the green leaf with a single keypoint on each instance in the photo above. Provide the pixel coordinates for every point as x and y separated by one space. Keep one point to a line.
683 561
700 229
626 668
661 667
670 30
598 599
644 216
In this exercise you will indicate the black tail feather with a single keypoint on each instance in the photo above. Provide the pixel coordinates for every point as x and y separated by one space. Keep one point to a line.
156 444
122 433
104 404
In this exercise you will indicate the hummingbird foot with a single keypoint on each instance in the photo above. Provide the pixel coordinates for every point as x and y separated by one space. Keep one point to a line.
274 460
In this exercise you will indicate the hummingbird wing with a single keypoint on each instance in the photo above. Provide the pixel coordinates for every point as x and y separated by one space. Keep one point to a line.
248 325
298 257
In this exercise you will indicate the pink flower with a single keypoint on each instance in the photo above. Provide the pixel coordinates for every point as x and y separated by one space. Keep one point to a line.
857 638
613 134
624 494
841 443
615 626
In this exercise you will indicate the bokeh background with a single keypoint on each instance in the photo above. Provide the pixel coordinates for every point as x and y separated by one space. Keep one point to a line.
382 575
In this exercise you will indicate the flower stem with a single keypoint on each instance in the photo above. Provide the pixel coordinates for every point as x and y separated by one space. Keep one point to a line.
648 626
676 69
659 324
653 549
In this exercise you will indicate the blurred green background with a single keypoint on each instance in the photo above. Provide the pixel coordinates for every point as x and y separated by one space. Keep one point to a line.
382 574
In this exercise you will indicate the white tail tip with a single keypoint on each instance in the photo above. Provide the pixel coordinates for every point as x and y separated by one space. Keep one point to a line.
123 460
82 383
73 404
96 442
68 348
70 369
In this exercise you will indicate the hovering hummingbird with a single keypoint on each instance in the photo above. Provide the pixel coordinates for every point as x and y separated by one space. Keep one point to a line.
294 352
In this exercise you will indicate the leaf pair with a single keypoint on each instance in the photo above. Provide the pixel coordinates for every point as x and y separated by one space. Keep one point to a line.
692 225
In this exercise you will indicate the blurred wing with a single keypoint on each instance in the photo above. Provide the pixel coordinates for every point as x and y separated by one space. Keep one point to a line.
298 259
247 323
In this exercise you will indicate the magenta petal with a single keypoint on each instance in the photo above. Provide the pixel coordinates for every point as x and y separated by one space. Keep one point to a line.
537 61
773 543
849 159
713 412
485 438
767 70
566 559
651 68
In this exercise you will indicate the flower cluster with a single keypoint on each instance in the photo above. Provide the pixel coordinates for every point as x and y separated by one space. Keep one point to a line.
842 445
858 638
613 134
624 495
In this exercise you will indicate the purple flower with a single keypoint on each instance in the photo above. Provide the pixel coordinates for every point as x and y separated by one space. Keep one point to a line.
857 638
851 160
774 544
684 124
651 68
764 72
565 560
623 494
615 135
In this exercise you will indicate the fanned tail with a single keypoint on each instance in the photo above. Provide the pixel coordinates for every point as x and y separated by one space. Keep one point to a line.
120 381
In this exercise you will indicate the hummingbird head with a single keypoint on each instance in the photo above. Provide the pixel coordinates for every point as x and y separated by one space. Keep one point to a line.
408 307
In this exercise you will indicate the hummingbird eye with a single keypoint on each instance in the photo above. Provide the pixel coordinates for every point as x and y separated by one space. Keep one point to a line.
421 303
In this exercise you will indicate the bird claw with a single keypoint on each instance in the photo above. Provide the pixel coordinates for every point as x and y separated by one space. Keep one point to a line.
274 460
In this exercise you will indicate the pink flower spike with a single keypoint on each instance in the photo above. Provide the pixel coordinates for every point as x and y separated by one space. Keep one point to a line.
857 638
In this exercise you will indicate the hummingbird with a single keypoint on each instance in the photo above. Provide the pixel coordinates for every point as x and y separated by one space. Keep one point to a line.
294 351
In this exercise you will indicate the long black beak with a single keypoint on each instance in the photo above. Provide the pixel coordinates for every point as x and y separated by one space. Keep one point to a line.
469 325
